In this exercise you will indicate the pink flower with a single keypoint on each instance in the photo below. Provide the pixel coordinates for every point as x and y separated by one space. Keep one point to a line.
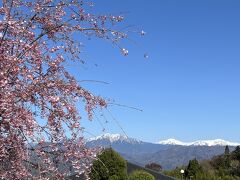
124 51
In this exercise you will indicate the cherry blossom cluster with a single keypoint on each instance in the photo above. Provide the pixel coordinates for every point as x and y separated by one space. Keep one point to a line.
40 129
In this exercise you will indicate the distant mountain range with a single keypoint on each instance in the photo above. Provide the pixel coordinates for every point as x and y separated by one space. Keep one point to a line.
215 142
169 153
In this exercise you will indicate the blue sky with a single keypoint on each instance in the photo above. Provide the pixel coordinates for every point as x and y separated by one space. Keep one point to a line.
188 88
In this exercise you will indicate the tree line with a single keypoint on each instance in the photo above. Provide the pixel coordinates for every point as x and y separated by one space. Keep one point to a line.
222 167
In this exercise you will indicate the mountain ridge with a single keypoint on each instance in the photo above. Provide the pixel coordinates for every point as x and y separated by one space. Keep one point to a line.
213 142
114 138
123 138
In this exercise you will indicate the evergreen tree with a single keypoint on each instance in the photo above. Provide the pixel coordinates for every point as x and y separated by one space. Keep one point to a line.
193 168
221 162
227 159
110 165
236 153
227 151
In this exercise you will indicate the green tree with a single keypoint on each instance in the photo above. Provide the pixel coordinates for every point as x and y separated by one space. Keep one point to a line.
221 162
236 153
110 165
193 168
227 151
140 175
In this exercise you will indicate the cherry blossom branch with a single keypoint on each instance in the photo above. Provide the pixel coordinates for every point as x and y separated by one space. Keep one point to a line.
5 30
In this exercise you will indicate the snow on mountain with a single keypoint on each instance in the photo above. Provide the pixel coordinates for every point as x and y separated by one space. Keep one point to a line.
171 142
115 138
215 142
122 138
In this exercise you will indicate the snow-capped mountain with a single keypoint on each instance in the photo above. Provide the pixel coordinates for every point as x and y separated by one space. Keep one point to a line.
115 138
171 142
215 142
124 144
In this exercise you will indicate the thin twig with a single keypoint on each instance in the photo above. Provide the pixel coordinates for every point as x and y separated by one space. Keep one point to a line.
122 105
116 121
95 81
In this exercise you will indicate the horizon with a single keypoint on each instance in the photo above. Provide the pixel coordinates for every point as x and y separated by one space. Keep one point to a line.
160 141
188 88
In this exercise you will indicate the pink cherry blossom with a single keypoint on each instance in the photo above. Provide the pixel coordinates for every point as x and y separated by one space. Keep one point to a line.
38 95
124 51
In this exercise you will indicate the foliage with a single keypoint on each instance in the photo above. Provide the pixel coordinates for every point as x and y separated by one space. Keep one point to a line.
227 151
222 167
235 167
109 164
207 176
193 168
38 96
154 166
175 172
114 177
221 162
236 154
140 175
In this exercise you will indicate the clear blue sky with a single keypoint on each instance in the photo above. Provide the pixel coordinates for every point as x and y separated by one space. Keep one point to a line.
189 88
